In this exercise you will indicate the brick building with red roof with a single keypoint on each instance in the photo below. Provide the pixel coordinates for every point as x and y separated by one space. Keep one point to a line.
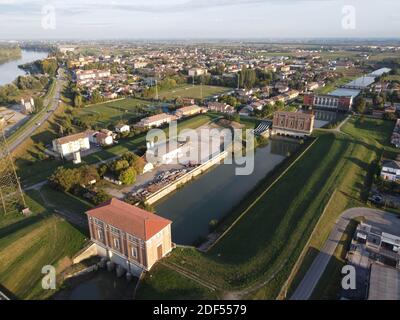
129 236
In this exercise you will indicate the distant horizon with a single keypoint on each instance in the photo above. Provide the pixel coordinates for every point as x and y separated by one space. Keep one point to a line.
234 39
198 19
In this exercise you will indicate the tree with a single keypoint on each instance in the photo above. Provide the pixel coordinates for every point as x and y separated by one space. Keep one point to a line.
78 102
64 179
96 97
101 197
119 165
88 174
360 105
39 104
127 176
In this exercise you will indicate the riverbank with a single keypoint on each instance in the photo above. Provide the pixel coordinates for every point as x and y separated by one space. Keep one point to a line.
9 53
10 70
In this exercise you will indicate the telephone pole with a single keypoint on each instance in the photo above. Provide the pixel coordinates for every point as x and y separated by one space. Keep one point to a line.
11 195
156 90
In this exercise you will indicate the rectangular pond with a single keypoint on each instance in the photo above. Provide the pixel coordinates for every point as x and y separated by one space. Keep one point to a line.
215 193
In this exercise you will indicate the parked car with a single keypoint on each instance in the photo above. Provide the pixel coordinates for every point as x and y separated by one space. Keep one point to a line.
376 199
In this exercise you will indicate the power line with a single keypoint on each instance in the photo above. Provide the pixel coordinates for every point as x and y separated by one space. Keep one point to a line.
11 195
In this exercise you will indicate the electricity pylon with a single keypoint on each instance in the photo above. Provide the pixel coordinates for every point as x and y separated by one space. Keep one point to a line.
11 195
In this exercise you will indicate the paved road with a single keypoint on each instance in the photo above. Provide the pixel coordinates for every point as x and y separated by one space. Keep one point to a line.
380 218
54 103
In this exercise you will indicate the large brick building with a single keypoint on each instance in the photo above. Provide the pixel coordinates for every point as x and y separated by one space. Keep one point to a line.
329 102
296 124
129 236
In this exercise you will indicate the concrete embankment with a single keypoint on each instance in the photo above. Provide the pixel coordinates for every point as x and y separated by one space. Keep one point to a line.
186 178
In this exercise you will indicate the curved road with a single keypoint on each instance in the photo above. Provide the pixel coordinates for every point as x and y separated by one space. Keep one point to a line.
52 106
315 272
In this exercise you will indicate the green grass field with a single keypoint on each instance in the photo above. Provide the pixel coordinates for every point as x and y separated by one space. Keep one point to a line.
29 243
116 111
195 92
164 283
265 244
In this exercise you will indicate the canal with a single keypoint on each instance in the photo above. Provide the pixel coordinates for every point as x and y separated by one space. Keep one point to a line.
9 70
214 194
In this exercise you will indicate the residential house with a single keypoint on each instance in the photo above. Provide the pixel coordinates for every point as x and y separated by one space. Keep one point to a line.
189 111
155 121
67 146
195 72
220 107
390 170
122 128
27 106
130 237
104 137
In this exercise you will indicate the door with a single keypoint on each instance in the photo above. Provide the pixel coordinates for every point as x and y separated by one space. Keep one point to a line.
159 251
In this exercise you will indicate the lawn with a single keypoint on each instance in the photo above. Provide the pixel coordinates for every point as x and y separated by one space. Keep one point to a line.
29 243
164 283
112 112
195 92
64 201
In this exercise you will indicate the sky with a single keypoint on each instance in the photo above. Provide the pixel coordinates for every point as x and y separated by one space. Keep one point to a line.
198 19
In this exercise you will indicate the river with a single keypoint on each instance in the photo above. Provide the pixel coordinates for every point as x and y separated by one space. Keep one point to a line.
9 70
215 193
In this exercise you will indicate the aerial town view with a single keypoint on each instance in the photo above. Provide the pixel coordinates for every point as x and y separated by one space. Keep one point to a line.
199 150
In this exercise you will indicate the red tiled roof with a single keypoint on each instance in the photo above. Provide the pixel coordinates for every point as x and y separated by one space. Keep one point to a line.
130 219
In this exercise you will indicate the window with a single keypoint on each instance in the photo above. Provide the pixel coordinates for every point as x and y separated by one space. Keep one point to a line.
100 234
99 223
134 252
114 230
116 243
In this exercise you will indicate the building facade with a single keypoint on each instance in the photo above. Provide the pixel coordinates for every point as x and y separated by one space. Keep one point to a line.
294 124
390 170
155 121
330 102
68 145
129 236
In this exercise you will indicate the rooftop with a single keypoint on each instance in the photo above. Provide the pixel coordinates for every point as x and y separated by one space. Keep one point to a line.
130 219
384 283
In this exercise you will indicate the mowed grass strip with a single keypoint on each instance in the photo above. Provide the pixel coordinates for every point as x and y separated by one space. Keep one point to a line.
268 239
164 283
29 244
